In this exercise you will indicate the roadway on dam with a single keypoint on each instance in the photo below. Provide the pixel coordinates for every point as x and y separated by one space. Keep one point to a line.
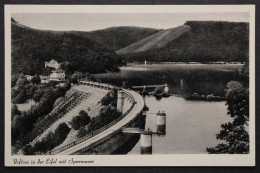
138 107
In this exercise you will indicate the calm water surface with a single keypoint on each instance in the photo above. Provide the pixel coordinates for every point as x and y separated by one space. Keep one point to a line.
197 78
191 126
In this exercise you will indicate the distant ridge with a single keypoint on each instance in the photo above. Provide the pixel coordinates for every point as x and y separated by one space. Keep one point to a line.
115 38
106 49
155 41
195 41
32 47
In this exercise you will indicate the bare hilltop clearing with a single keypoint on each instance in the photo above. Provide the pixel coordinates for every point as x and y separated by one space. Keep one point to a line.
155 41
195 41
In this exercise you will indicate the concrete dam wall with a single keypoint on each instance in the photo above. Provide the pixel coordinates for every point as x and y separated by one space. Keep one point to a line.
110 139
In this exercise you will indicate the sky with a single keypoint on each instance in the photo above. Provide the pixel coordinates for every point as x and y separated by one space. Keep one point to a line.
96 21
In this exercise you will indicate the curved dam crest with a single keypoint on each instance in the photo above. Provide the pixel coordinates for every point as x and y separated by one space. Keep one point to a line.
86 144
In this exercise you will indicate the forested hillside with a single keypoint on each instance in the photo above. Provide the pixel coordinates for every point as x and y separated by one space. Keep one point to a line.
31 48
115 38
205 42
94 51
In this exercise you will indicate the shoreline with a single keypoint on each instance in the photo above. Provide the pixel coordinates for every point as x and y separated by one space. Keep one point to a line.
137 66
193 63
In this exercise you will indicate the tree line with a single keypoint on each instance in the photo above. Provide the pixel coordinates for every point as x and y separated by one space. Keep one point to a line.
107 114
44 95
235 133
49 142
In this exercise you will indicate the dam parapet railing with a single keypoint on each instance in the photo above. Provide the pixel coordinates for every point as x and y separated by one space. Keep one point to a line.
97 85
89 147
98 131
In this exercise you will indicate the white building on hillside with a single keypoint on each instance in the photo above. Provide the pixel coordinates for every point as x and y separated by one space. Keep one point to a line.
57 75
53 64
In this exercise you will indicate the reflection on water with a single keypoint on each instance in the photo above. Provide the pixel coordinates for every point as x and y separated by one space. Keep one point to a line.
184 79
191 126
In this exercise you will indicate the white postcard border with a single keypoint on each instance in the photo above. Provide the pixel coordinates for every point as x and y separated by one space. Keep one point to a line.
130 160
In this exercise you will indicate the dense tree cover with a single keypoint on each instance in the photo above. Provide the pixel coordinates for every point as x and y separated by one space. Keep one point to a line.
36 79
211 82
245 70
108 113
85 125
38 93
244 73
126 84
82 132
110 98
47 71
20 98
15 111
31 48
80 120
234 133
158 90
15 77
26 121
21 82
49 142
205 42
47 97
75 77
115 38
23 90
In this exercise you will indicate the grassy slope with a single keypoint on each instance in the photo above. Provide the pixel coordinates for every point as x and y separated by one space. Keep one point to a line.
155 41
115 38
206 41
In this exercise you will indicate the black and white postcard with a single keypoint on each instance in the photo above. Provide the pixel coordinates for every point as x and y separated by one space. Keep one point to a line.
97 85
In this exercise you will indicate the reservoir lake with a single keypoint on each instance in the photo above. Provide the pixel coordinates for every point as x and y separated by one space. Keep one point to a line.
191 125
